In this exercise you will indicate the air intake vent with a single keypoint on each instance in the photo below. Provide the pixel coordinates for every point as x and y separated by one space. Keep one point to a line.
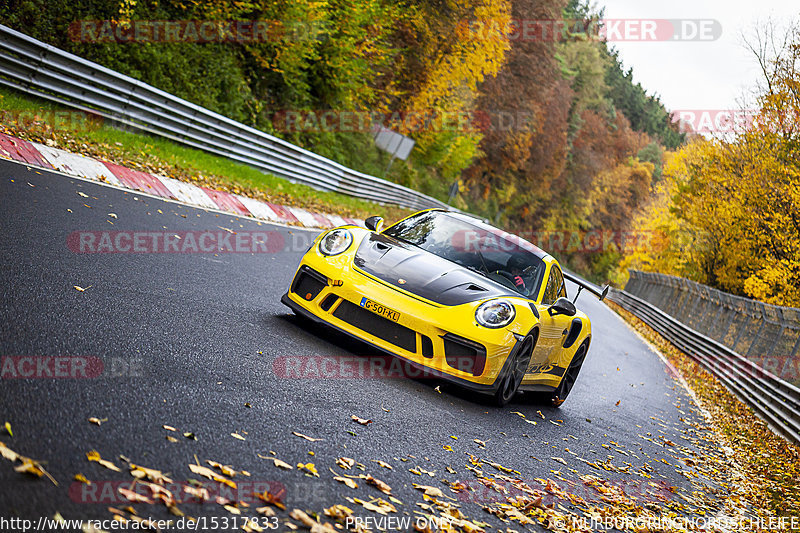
308 283
464 354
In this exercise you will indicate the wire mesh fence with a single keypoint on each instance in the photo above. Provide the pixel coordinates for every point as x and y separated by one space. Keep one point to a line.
767 335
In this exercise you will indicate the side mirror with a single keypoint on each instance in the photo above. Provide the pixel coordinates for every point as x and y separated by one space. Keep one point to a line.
374 223
562 306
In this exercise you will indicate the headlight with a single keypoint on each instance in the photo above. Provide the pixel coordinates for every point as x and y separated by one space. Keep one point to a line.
495 314
335 242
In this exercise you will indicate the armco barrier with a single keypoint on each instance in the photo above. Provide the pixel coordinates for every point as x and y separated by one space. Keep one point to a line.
775 400
42 70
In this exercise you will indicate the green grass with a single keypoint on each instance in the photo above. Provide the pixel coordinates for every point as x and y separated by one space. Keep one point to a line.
160 155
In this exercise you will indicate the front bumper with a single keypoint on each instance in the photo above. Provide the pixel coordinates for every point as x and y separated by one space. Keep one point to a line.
444 341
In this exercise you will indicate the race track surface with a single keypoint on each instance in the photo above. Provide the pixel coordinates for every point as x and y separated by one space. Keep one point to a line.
190 340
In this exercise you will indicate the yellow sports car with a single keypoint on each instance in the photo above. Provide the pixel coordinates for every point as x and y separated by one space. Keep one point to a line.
447 292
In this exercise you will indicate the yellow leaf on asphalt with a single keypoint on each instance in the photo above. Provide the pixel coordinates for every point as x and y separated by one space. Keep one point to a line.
382 464
94 456
237 436
347 481
171 438
140 472
377 483
82 479
271 499
266 511
8 453
169 428
312 439
225 469
345 462
231 509
308 467
8 428
429 490
277 462
210 474
79 289
97 421
134 496
338 511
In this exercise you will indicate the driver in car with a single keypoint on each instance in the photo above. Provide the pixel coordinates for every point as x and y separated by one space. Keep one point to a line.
516 267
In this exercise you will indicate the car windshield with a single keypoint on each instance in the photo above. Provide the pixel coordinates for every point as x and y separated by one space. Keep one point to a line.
495 254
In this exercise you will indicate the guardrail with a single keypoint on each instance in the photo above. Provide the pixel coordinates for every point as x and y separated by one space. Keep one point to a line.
776 401
768 335
36 68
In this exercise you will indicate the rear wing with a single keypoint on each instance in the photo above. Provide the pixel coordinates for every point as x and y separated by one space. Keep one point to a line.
583 284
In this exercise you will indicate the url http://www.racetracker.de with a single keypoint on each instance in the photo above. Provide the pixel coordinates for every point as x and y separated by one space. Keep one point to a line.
203 523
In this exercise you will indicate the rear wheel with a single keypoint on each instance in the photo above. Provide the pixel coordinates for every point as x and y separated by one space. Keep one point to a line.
516 371
558 396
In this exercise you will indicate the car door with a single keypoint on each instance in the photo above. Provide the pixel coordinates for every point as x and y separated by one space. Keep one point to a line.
552 329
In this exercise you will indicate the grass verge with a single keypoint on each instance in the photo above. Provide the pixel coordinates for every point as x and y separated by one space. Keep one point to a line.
38 120
768 482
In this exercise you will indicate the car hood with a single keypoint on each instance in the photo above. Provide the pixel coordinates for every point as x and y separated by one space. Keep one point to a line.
422 273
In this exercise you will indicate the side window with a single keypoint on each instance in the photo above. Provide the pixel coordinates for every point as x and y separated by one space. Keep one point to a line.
551 290
555 288
562 287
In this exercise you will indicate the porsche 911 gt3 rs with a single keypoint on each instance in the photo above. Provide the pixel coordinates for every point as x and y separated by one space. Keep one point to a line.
450 293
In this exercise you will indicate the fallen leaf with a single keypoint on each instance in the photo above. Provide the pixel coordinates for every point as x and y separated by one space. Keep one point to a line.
225 469
97 421
277 462
270 499
266 511
345 462
210 474
94 456
377 483
190 435
296 434
134 496
199 493
382 464
82 479
140 472
438 389
429 490
83 195
80 289
170 438
169 428
308 467
362 421
237 436
8 428
347 481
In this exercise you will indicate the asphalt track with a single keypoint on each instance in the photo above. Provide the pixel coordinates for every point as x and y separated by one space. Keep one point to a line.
190 341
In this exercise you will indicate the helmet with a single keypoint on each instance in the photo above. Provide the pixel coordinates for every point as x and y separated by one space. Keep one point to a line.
516 262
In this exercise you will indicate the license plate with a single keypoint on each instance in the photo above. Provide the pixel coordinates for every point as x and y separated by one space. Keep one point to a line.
379 309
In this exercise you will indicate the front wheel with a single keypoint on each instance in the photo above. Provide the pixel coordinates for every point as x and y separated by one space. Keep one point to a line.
516 371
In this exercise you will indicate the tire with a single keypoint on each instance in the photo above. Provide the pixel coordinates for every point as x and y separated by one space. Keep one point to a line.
511 380
558 396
